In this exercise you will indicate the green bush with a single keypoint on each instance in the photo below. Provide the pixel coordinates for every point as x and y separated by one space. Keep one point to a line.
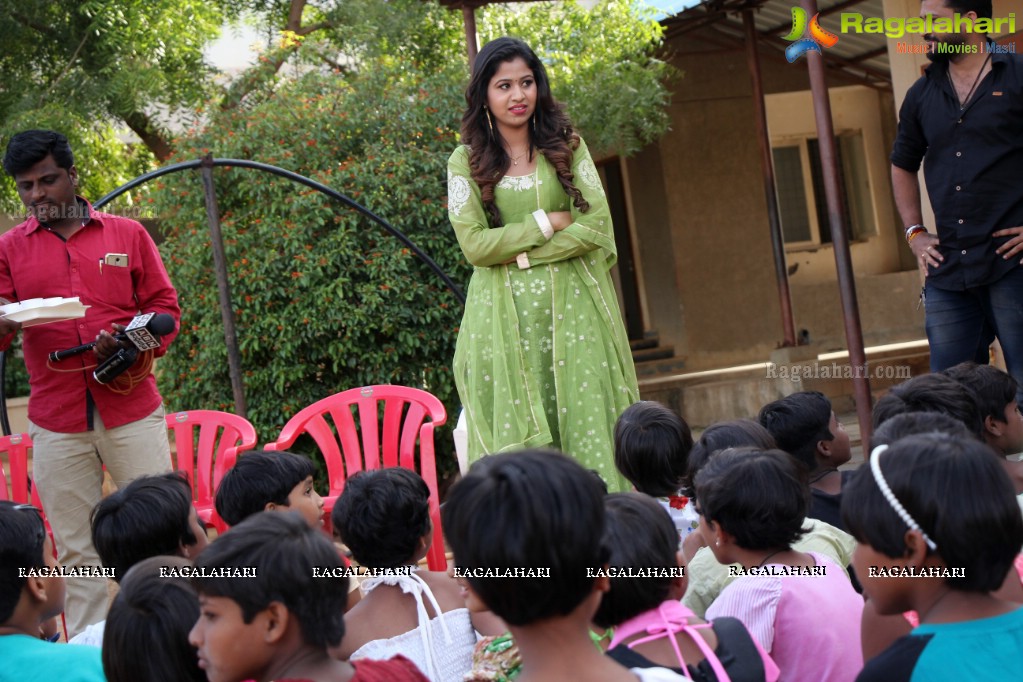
324 299
15 372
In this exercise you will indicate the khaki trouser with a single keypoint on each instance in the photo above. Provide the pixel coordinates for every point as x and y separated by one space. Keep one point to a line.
68 470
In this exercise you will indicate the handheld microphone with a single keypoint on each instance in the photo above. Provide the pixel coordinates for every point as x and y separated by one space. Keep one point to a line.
143 332
115 365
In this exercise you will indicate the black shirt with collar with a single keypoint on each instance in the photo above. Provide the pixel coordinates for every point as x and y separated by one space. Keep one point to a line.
973 166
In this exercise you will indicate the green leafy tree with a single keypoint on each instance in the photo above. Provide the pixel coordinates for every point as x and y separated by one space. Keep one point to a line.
137 63
108 59
603 62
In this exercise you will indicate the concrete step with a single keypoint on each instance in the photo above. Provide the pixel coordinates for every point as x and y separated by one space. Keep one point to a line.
650 340
670 365
652 354
710 396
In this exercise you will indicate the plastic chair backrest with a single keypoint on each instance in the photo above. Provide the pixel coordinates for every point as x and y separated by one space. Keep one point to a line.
375 442
222 436
22 488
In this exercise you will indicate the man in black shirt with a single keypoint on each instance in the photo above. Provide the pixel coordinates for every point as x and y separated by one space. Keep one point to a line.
964 119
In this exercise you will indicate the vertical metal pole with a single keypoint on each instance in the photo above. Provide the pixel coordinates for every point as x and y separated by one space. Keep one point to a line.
5 423
234 362
781 273
469 19
839 235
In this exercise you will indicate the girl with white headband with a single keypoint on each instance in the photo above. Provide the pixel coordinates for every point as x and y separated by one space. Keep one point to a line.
938 529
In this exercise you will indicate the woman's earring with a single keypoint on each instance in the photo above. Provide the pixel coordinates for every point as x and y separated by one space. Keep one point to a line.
490 124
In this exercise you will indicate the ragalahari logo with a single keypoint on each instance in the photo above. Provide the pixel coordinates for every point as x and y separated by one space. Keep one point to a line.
807 35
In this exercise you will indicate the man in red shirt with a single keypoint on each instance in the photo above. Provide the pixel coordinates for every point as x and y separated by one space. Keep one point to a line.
78 425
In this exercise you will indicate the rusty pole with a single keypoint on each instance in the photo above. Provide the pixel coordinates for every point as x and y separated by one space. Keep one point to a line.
839 235
234 362
469 20
767 169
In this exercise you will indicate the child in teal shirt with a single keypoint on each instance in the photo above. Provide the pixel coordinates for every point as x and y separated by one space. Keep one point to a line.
28 598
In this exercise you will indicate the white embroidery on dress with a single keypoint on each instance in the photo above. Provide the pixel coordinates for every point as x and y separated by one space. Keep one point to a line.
588 173
519 183
458 192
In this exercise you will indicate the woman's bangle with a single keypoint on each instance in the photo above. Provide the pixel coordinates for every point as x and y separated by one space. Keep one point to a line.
544 223
916 233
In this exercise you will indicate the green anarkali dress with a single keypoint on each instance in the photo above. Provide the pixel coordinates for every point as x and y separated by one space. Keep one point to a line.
542 357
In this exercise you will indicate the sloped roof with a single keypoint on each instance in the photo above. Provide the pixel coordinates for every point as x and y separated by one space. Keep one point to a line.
862 56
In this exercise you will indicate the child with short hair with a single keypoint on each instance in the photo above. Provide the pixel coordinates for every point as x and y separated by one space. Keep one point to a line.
732 433
263 480
898 508
537 510
152 613
804 425
995 393
383 517
930 393
646 613
707 576
278 623
27 601
276 481
652 446
915 423
151 516
799 606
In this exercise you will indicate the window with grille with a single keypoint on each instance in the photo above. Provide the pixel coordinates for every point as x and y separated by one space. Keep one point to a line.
799 185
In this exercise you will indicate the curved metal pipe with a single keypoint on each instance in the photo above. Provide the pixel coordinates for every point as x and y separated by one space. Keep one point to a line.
302 180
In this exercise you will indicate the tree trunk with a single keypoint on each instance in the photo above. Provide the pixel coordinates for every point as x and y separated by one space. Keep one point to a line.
155 140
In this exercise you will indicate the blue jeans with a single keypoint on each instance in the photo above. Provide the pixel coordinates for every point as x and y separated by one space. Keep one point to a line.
962 324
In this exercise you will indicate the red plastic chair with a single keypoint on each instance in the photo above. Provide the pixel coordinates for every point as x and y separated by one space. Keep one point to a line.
394 438
23 487
222 436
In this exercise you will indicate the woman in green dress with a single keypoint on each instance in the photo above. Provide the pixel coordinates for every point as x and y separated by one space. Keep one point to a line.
542 357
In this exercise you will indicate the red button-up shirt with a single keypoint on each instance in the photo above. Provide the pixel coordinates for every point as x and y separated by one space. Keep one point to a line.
37 263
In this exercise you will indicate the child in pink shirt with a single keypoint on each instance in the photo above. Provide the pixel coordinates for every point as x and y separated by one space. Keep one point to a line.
644 612
800 607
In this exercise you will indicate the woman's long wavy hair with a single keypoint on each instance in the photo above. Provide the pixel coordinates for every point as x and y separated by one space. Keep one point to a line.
550 130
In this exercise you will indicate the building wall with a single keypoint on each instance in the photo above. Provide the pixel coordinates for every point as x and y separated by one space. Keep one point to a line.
705 248
652 245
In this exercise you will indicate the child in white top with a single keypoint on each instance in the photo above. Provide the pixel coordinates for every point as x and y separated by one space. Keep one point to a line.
383 516
652 446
